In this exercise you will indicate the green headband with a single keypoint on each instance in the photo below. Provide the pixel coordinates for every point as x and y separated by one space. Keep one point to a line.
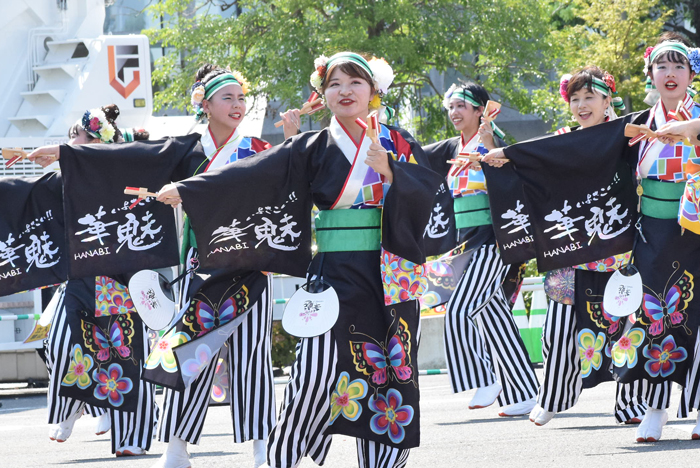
219 82
668 46
465 95
603 88
348 57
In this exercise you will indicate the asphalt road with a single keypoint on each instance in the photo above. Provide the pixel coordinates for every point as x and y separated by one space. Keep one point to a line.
452 436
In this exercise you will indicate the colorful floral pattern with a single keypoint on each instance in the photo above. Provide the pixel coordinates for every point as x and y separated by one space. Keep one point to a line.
221 384
162 354
194 366
663 358
606 264
391 417
111 384
624 350
403 280
345 397
111 298
78 371
589 351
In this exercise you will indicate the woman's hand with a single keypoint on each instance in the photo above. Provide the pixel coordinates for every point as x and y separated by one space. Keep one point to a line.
169 195
292 122
378 159
45 155
689 129
494 158
486 134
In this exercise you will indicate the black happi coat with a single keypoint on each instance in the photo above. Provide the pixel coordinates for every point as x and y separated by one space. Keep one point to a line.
33 249
106 330
279 186
598 157
474 237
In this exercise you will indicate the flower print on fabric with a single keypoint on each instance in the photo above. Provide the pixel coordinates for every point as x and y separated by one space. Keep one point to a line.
221 383
78 371
589 351
403 280
194 366
162 354
391 417
663 358
606 264
624 350
345 397
111 298
111 384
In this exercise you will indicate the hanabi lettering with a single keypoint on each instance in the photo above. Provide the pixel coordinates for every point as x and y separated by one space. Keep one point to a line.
8 253
602 222
563 222
127 233
519 220
437 225
39 252
560 250
97 228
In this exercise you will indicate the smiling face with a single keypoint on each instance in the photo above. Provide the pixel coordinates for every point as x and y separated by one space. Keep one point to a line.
347 96
464 116
671 79
226 108
588 107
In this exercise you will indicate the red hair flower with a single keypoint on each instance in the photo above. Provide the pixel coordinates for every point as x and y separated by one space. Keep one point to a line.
610 81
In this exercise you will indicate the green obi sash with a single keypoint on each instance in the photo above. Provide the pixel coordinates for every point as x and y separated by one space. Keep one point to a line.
661 200
348 230
472 210
188 240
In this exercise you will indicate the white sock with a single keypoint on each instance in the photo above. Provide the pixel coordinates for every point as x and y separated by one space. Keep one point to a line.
259 452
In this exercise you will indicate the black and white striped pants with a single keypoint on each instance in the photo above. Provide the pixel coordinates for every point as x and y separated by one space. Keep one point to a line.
562 383
251 384
303 420
482 341
127 428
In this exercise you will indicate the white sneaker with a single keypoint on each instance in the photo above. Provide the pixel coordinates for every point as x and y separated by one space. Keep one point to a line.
175 455
696 430
540 416
259 453
130 451
103 424
518 409
62 431
652 425
485 396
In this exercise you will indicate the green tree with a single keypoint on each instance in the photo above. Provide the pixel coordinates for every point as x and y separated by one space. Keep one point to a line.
274 43
612 34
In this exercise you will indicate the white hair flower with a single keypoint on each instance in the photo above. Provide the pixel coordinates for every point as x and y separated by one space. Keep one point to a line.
383 74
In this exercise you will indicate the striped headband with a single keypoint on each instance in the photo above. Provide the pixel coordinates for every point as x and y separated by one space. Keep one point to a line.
668 46
218 82
603 88
342 57
460 93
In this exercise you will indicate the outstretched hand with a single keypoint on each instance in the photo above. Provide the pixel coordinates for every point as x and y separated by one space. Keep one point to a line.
495 157
45 155
169 195
689 129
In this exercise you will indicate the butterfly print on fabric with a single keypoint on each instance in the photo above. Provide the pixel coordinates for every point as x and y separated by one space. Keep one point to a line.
602 319
203 315
386 360
115 341
668 310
